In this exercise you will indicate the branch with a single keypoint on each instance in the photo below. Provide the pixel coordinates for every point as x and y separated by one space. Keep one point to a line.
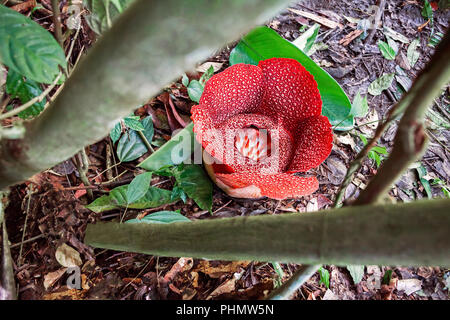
410 141
149 45
412 234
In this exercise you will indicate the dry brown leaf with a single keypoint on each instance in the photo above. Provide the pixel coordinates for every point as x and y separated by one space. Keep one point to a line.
67 256
215 271
51 278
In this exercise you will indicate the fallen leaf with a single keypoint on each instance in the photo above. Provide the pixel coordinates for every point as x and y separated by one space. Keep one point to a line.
329 295
409 286
67 256
51 278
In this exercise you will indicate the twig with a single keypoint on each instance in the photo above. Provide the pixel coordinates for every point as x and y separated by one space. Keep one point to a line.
57 22
30 193
37 99
83 167
144 139
28 240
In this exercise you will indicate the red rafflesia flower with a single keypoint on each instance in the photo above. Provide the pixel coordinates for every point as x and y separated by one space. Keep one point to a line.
258 125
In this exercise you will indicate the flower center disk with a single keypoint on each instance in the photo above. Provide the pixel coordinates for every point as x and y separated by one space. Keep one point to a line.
252 143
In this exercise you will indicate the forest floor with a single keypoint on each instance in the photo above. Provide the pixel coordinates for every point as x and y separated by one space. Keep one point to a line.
49 210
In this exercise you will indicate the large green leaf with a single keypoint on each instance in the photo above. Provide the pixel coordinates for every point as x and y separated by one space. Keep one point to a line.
104 12
117 198
264 43
131 146
27 48
174 151
194 181
138 187
25 90
161 217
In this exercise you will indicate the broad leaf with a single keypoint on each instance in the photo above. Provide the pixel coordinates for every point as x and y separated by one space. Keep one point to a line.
307 39
138 187
195 90
117 198
264 43
324 277
29 49
131 146
173 152
386 50
357 273
360 106
380 84
161 217
412 54
104 12
25 90
195 182
133 123
116 132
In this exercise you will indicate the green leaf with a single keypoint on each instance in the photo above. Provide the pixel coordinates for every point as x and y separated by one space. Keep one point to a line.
264 43
380 84
131 146
103 13
195 90
374 156
422 171
427 11
360 107
206 76
29 49
117 198
196 183
25 90
324 277
138 187
357 273
178 192
161 217
133 123
386 50
412 54
380 150
307 39
185 80
173 152
387 277
116 132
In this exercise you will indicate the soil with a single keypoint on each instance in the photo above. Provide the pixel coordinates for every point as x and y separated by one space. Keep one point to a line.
49 211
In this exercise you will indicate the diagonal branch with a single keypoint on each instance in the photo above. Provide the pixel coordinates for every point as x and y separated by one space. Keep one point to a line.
149 45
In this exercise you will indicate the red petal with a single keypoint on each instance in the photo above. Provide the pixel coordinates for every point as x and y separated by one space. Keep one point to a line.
238 89
314 140
276 186
291 92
